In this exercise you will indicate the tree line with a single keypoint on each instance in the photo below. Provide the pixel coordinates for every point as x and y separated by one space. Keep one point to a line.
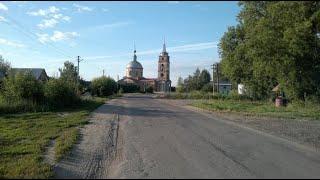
274 43
200 80
21 92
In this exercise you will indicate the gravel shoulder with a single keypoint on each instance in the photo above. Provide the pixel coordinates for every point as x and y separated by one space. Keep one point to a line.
91 156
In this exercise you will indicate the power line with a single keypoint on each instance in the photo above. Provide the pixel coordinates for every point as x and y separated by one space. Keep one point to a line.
32 35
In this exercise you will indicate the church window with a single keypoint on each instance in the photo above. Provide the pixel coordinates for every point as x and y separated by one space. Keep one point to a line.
161 74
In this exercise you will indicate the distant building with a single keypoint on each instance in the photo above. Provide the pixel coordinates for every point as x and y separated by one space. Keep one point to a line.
134 74
224 86
39 73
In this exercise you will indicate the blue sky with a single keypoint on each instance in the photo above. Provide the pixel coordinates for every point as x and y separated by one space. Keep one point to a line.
45 34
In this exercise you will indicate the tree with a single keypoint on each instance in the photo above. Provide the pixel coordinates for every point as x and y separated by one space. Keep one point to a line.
4 65
58 93
180 85
204 78
274 42
22 87
69 72
103 86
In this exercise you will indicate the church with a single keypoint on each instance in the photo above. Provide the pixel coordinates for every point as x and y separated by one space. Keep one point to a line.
134 74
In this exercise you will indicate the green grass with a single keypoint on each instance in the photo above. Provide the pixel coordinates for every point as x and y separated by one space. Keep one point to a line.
23 138
260 108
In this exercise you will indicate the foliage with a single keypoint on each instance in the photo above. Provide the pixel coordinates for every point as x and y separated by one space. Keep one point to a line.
180 86
149 89
130 88
103 86
195 82
59 93
69 72
4 65
22 87
274 43
207 88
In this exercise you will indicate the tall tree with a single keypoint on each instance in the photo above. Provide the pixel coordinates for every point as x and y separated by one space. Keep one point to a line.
69 72
4 65
204 78
274 42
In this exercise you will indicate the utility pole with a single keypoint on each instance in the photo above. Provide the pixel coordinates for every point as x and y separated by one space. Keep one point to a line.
213 70
79 60
103 72
218 78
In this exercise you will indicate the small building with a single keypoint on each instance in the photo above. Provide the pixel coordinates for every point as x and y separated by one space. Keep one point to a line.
39 73
224 87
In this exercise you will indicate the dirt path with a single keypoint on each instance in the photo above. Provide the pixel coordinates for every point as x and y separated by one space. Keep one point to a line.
93 154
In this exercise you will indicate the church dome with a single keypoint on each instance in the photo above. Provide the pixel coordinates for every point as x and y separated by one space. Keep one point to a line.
134 65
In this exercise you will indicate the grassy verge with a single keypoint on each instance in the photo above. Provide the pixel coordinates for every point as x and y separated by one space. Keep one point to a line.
23 138
258 108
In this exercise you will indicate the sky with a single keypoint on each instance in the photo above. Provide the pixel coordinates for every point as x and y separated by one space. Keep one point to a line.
46 34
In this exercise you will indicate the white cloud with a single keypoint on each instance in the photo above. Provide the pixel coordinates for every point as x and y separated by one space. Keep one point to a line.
44 12
2 19
47 23
82 8
11 43
53 9
3 7
57 36
43 38
66 18
52 15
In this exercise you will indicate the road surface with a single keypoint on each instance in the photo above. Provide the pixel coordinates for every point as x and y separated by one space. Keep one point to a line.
161 140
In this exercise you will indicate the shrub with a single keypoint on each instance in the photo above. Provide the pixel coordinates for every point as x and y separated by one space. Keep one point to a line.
22 87
149 89
59 93
207 88
130 88
103 86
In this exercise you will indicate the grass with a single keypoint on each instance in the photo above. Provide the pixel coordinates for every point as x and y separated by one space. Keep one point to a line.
23 138
260 108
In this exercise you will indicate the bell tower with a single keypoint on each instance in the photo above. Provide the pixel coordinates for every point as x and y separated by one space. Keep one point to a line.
164 70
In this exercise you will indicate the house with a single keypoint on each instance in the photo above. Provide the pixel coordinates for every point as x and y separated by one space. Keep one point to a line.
39 73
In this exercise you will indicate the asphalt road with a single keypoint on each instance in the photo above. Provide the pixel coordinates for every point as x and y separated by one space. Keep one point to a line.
160 140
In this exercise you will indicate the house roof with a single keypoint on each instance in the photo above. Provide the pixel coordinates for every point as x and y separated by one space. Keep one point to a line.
36 72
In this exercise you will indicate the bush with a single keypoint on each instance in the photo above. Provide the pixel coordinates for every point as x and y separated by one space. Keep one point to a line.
130 88
207 88
22 87
149 89
58 93
103 86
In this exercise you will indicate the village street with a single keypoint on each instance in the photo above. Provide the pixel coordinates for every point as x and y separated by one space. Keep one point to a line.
160 140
